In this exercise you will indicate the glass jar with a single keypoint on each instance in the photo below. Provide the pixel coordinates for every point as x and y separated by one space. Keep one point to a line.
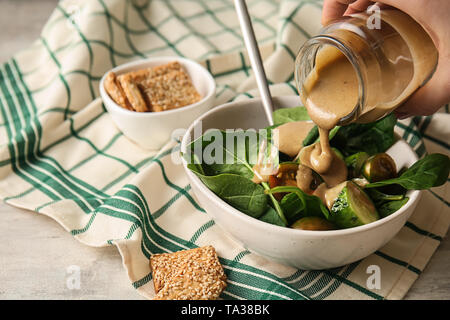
358 70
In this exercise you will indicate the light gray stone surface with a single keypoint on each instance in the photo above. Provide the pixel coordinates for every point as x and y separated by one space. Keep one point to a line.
39 260
36 253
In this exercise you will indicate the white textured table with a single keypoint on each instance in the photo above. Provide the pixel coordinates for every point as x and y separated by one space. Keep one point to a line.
37 255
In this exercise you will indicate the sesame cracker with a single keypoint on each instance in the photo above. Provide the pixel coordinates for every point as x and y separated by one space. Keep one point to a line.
194 274
115 91
169 91
133 94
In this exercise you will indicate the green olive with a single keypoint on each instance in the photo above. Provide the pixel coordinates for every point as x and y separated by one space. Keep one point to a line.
379 167
313 223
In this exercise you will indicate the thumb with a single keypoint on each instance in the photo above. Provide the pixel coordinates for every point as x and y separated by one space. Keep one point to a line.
429 98
334 9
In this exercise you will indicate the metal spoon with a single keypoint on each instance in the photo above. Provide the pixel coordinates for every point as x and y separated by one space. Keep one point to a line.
255 57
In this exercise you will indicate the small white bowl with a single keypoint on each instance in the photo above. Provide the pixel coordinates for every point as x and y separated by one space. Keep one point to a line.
151 130
310 250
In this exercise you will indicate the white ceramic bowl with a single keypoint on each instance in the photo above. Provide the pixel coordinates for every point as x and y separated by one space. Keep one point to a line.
310 250
151 130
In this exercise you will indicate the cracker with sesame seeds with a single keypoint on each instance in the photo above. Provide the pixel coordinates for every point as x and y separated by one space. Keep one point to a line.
194 274
165 265
115 91
135 76
133 94
170 90
166 68
141 75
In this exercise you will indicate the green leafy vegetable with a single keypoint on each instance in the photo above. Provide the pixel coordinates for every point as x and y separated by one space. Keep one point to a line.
271 216
313 135
275 203
355 163
391 206
313 206
372 138
430 171
379 197
292 207
236 154
237 191
285 115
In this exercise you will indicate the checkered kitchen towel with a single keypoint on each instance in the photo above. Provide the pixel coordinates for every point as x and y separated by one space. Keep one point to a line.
61 155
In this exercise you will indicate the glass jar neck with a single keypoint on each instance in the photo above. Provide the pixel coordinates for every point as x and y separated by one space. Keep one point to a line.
306 61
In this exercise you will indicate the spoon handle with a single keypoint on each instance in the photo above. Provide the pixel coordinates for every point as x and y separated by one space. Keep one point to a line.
255 57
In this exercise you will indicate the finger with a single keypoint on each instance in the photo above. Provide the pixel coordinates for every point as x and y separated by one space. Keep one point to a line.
401 115
429 98
334 9
358 6
411 7
363 5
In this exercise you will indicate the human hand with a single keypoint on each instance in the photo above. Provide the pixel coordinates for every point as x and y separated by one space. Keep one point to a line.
433 17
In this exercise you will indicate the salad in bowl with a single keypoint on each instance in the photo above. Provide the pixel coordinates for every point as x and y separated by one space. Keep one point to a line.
280 207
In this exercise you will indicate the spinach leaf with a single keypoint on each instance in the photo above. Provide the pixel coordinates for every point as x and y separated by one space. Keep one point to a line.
292 207
379 197
284 115
271 216
372 138
391 206
430 171
313 135
313 206
236 154
225 152
239 192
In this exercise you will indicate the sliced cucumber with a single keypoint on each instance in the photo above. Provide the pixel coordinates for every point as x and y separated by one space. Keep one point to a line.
353 208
